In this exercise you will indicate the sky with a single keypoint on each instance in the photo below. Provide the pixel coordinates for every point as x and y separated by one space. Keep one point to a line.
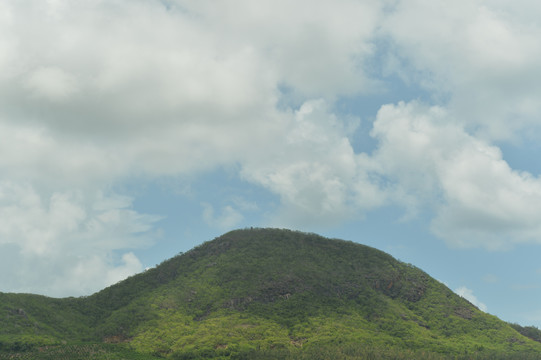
134 130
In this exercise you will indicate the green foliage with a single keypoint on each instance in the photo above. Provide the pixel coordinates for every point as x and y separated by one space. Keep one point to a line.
531 332
265 294
87 351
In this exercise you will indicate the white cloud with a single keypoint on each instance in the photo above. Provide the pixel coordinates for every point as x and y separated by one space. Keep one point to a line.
468 295
52 83
478 199
59 239
318 51
315 170
228 218
166 91
95 272
479 60
481 55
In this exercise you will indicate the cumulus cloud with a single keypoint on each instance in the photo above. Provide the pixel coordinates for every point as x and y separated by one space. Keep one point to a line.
478 60
317 52
168 89
68 241
432 161
315 170
227 219
481 56
468 295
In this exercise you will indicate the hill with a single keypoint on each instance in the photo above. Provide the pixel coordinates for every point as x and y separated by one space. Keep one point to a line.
269 294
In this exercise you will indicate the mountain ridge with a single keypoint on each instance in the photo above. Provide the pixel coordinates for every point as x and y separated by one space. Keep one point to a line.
271 293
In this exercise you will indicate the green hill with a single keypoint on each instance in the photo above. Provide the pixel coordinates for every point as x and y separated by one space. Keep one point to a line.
264 294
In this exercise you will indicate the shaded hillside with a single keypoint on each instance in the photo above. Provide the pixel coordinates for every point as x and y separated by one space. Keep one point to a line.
268 293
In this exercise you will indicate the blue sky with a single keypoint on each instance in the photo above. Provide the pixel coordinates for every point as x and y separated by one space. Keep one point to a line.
133 130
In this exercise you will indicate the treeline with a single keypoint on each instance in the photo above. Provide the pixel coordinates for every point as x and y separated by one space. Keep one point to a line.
531 332
344 352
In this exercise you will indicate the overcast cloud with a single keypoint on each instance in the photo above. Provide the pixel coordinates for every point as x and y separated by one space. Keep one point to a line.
96 92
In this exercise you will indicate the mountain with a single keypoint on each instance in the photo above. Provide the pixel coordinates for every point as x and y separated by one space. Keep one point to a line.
264 294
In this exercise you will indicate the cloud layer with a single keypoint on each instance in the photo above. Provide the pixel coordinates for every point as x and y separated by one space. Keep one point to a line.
96 92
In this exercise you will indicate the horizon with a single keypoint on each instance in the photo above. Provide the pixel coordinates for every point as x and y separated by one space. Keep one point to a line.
135 130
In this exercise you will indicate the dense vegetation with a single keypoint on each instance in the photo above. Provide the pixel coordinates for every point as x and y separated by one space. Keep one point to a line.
265 294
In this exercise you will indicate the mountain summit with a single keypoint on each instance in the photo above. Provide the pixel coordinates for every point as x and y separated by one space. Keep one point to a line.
269 294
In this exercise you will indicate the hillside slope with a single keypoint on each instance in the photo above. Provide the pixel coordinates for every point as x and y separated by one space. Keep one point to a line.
267 293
